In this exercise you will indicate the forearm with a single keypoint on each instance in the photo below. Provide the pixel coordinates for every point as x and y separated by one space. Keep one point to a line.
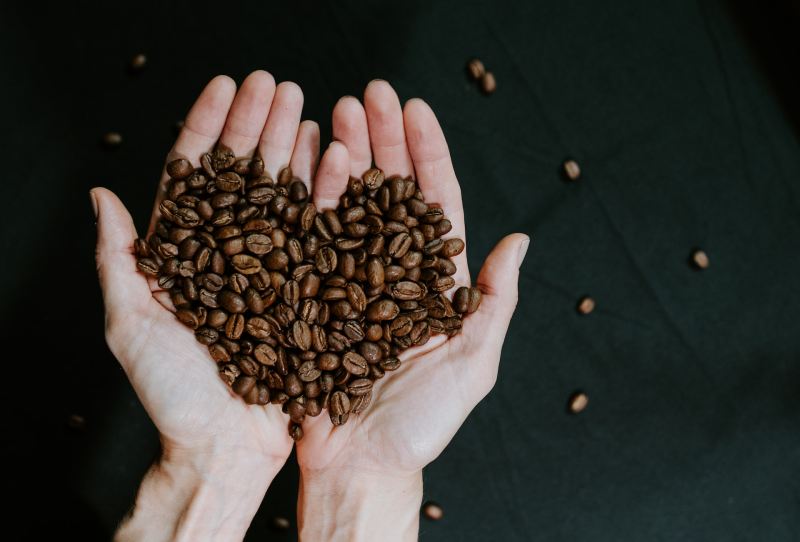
185 497
354 506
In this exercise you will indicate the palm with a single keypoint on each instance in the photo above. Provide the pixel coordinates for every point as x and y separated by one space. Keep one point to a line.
416 410
172 373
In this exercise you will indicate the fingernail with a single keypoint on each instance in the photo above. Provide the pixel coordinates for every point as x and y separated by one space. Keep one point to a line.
93 199
377 81
523 249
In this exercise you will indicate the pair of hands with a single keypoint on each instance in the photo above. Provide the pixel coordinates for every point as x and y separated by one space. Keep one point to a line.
358 481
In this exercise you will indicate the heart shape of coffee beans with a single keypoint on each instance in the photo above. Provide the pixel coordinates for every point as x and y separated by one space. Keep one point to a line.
299 307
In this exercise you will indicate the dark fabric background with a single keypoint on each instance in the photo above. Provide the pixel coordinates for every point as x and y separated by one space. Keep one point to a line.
682 116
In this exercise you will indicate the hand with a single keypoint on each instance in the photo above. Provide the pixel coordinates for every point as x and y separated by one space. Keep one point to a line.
219 454
363 480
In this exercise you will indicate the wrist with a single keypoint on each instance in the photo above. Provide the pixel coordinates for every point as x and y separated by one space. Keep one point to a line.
190 495
354 505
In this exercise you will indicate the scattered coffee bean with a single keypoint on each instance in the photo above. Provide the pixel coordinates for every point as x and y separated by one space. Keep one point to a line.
301 308
112 139
280 523
488 83
475 69
586 305
578 402
700 259
77 422
572 171
138 62
432 511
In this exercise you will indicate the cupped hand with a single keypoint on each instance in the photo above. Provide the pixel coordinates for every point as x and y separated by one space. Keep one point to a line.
416 410
174 375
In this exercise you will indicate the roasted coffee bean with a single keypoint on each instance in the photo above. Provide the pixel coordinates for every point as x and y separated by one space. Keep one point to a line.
301 334
248 365
246 264
244 384
328 361
293 386
466 300
206 335
373 179
355 364
319 338
382 309
390 364
229 182
308 371
265 354
234 327
296 410
360 386
188 317
370 351
326 260
339 407
488 83
180 168
374 272
231 302
309 286
452 247
432 511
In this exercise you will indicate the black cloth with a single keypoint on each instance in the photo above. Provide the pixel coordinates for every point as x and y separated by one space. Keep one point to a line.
681 116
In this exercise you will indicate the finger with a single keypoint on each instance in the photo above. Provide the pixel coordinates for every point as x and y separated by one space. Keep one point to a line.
435 173
486 329
200 132
386 134
280 131
248 113
334 170
350 127
124 288
306 152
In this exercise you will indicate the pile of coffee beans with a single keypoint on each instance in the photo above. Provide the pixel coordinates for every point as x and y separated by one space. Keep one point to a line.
300 307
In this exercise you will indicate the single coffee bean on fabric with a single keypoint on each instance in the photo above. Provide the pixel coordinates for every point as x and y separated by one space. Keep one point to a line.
299 307
432 511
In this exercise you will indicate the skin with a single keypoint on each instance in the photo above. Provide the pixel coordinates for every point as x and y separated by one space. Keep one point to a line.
361 481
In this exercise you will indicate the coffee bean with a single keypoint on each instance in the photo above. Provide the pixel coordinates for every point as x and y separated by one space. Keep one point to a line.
488 83
258 243
112 139
390 364
374 272
308 371
296 410
355 364
339 407
373 179
265 354
360 386
301 335
296 432
244 384
700 259
586 305
231 302
381 310
452 247
475 69
432 511
578 402
466 300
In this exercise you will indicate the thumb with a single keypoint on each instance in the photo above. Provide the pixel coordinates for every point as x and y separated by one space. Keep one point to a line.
497 282
123 286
